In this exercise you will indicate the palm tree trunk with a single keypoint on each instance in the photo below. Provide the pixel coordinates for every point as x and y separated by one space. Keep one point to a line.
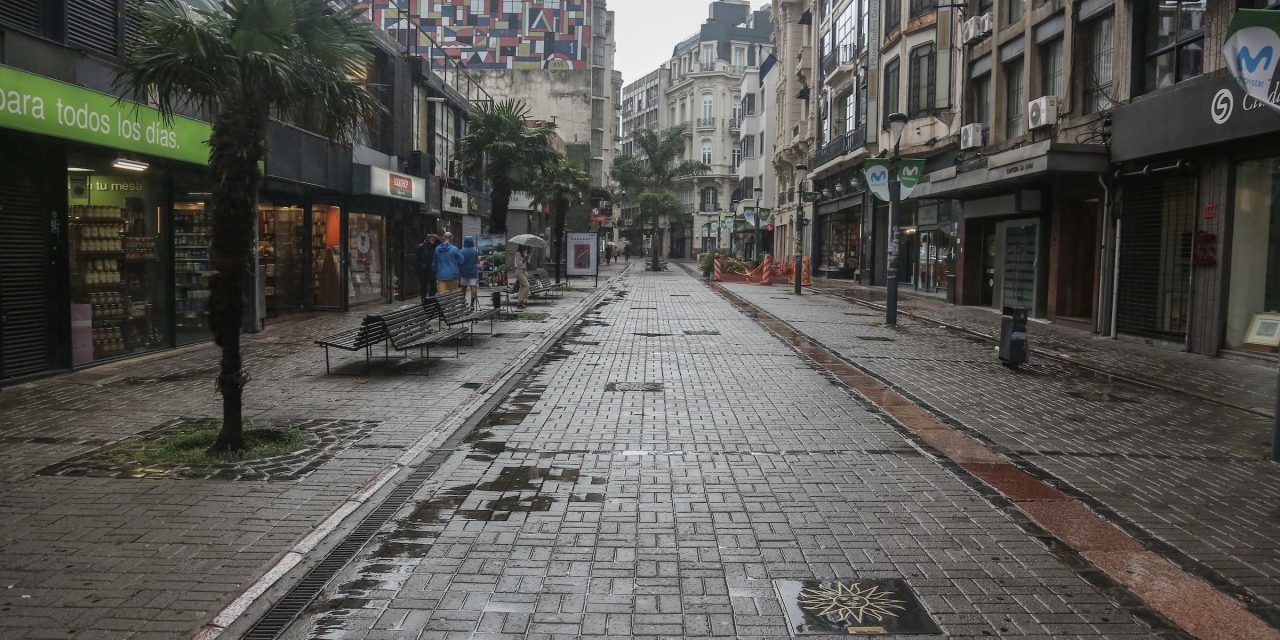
498 212
657 243
238 145
559 227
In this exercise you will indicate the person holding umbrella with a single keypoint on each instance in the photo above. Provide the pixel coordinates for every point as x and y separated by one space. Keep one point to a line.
520 264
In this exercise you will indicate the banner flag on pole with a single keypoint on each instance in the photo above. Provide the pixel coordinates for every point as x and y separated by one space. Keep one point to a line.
910 170
1252 52
877 173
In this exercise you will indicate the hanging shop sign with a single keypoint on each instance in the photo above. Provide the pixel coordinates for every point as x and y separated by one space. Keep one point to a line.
455 201
1252 52
36 104
380 182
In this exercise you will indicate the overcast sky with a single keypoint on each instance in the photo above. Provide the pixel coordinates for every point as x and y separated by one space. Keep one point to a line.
647 30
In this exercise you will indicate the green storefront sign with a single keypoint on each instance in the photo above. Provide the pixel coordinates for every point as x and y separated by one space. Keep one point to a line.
36 104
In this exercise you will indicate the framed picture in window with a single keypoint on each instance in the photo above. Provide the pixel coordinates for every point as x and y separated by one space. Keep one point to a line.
1264 330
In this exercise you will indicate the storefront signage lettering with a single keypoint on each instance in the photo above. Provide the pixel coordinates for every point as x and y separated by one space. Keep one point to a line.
36 104
1206 249
99 185
389 184
1210 211
455 201
1223 113
1015 169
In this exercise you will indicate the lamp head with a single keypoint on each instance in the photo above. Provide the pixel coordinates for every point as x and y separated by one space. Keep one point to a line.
897 122
802 170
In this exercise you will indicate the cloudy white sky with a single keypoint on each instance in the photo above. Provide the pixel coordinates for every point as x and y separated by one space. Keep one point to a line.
647 30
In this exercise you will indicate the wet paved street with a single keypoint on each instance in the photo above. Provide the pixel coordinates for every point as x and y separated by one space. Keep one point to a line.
663 471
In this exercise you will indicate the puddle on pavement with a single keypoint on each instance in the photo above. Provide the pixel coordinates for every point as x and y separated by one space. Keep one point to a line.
1099 396
635 386
646 334
701 332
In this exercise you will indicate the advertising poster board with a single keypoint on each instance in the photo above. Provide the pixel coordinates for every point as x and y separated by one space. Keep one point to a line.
584 259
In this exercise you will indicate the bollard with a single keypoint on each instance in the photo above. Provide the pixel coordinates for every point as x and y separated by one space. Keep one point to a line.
1013 337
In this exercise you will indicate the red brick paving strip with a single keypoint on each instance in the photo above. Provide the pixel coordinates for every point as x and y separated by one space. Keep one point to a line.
1181 597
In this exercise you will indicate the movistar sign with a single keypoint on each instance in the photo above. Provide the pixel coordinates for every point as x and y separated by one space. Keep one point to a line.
1252 50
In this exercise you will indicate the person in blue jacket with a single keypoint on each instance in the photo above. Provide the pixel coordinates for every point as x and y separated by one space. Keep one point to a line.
448 258
470 270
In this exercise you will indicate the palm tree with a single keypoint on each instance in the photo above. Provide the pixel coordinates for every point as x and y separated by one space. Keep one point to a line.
505 150
651 174
241 62
561 185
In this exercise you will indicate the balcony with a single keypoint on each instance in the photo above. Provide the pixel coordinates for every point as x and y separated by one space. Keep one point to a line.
706 123
735 123
839 147
840 65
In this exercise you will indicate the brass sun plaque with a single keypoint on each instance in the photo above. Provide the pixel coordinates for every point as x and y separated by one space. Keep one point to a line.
853 607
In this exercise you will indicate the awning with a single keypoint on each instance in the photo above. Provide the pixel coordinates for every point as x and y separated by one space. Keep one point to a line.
1013 166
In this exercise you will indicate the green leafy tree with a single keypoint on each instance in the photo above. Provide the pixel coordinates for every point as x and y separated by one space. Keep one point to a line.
508 153
560 185
649 177
241 62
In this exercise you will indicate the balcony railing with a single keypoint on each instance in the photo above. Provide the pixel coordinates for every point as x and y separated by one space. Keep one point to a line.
735 122
842 55
839 147
706 123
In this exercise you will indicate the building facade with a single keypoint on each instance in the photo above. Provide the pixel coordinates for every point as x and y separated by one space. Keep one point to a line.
107 255
757 182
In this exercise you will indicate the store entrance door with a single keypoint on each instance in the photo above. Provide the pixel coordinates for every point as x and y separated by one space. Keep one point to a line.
26 342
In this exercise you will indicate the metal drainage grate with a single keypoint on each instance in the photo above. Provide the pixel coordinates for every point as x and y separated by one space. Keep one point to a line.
702 332
646 334
853 607
472 385
875 338
644 308
635 386
287 609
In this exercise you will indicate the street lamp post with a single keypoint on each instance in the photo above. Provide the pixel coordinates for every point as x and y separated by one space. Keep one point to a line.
802 171
733 222
897 122
759 227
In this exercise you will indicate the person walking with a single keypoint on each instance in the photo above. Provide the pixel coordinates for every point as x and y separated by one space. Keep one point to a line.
469 270
448 259
520 267
425 259
626 250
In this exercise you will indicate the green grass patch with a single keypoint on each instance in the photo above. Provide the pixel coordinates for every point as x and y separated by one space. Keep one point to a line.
186 443
531 316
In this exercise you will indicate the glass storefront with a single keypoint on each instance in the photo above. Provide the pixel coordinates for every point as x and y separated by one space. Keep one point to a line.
841 234
191 270
366 254
935 245
281 253
1253 310
326 256
118 295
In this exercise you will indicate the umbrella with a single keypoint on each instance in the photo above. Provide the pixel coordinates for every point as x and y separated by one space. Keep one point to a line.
529 240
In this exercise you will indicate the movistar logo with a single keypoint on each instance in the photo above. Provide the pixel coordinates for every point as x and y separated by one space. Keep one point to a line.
1245 60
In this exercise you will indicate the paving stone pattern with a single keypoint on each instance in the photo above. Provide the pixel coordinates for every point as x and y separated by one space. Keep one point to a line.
101 557
1191 475
668 511
1244 382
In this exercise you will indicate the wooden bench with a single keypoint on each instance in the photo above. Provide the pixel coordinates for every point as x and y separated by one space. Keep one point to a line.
411 327
454 310
363 338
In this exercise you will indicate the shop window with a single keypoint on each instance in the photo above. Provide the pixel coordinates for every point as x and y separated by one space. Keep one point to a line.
1097 64
366 255
119 301
192 234
1015 99
1173 42
1255 254
920 92
282 245
326 256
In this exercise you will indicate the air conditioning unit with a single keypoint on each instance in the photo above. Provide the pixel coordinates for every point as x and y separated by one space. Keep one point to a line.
986 23
971 136
971 30
1042 112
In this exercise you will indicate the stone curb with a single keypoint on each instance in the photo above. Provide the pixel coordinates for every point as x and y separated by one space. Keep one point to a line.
283 569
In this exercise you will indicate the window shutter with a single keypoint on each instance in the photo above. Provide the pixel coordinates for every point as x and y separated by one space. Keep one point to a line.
94 25
21 14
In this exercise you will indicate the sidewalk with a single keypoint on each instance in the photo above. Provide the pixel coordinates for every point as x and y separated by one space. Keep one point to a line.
1186 477
1243 384
152 553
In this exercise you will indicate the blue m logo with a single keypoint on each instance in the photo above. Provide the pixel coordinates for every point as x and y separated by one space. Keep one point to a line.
1248 62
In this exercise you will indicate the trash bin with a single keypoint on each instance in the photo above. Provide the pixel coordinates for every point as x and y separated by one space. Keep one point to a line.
496 298
1013 337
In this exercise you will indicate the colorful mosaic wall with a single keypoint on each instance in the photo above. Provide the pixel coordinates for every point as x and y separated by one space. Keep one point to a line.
492 34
